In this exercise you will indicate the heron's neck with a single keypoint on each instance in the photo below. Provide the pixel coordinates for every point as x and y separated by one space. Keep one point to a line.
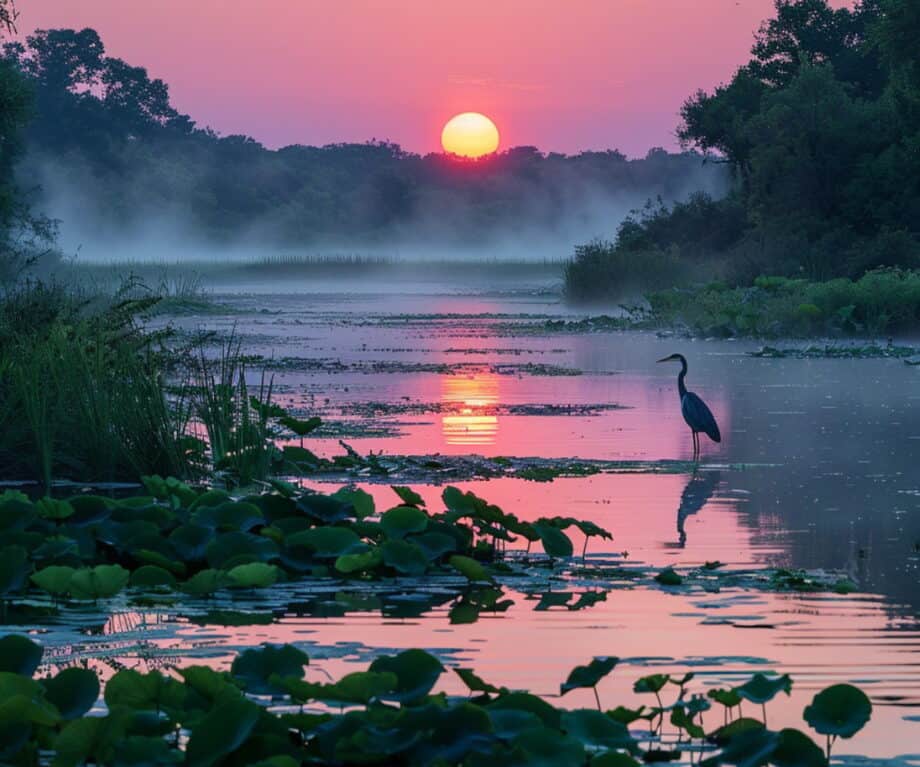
681 388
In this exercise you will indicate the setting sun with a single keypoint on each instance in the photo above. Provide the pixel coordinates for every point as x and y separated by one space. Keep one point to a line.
469 134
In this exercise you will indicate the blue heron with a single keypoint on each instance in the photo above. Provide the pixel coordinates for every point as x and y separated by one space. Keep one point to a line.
697 415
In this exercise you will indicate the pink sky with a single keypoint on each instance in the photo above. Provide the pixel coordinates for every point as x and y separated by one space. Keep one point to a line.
562 75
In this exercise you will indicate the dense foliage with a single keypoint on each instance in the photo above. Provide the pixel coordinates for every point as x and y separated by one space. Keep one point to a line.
388 714
821 129
106 138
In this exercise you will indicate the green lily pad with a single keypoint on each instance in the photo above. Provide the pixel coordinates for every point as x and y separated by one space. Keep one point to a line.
596 729
54 579
72 691
206 582
19 655
221 732
474 682
472 570
590 675
762 689
406 558
54 509
255 667
229 516
151 576
360 500
408 496
651 683
325 542
401 521
98 582
840 709
556 543
255 575
357 563
416 672
237 548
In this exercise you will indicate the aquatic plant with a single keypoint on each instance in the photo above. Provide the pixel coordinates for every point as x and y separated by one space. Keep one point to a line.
200 541
267 710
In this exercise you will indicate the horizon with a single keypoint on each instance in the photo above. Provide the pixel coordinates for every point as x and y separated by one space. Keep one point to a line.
626 95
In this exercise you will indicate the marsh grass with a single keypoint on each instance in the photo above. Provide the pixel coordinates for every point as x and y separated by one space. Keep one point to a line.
239 425
83 390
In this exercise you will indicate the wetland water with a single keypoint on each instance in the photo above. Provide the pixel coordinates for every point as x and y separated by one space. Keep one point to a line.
817 469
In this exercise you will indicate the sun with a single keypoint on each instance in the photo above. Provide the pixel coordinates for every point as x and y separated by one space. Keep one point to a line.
469 134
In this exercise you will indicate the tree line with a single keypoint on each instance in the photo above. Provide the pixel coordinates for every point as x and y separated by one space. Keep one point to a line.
821 132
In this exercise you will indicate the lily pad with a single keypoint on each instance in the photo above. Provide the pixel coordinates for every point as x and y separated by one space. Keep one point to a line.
73 691
255 667
19 655
590 675
762 689
402 521
416 672
840 709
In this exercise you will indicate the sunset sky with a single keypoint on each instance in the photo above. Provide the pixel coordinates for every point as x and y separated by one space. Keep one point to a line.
564 76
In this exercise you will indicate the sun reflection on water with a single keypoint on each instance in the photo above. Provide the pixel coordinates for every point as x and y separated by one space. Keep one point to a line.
469 409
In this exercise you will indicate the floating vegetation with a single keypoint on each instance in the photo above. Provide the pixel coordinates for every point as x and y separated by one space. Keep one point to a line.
413 407
199 542
386 367
270 709
834 351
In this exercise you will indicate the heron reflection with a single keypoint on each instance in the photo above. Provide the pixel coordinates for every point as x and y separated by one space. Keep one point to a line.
697 492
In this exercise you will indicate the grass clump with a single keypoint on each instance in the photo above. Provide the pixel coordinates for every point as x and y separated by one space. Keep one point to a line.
83 390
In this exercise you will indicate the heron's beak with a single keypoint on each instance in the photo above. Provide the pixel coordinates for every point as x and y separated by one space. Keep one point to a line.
665 359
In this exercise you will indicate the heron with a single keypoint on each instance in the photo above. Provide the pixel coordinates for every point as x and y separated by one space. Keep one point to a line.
696 413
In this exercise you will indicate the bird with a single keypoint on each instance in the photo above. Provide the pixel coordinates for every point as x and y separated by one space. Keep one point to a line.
696 413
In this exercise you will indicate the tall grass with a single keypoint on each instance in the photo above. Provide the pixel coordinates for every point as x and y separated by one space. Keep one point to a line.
239 425
83 392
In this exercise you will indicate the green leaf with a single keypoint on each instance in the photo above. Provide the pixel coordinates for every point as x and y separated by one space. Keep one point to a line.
596 729
556 543
299 427
651 683
416 672
474 682
403 520
668 577
362 501
238 548
546 748
840 709
206 582
406 558
356 563
221 732
151 576
590 675
255 575
795 749
51 508
524 701
434 544
19 655
408 496
54 579
73 691
762 689
361 687
325 542
728 698
98 582
229 516
470 569
255 667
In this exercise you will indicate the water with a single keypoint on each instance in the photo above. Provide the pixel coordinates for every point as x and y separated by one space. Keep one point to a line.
817 469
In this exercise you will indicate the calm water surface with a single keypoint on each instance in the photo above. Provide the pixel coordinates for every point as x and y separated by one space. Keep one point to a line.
829 449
